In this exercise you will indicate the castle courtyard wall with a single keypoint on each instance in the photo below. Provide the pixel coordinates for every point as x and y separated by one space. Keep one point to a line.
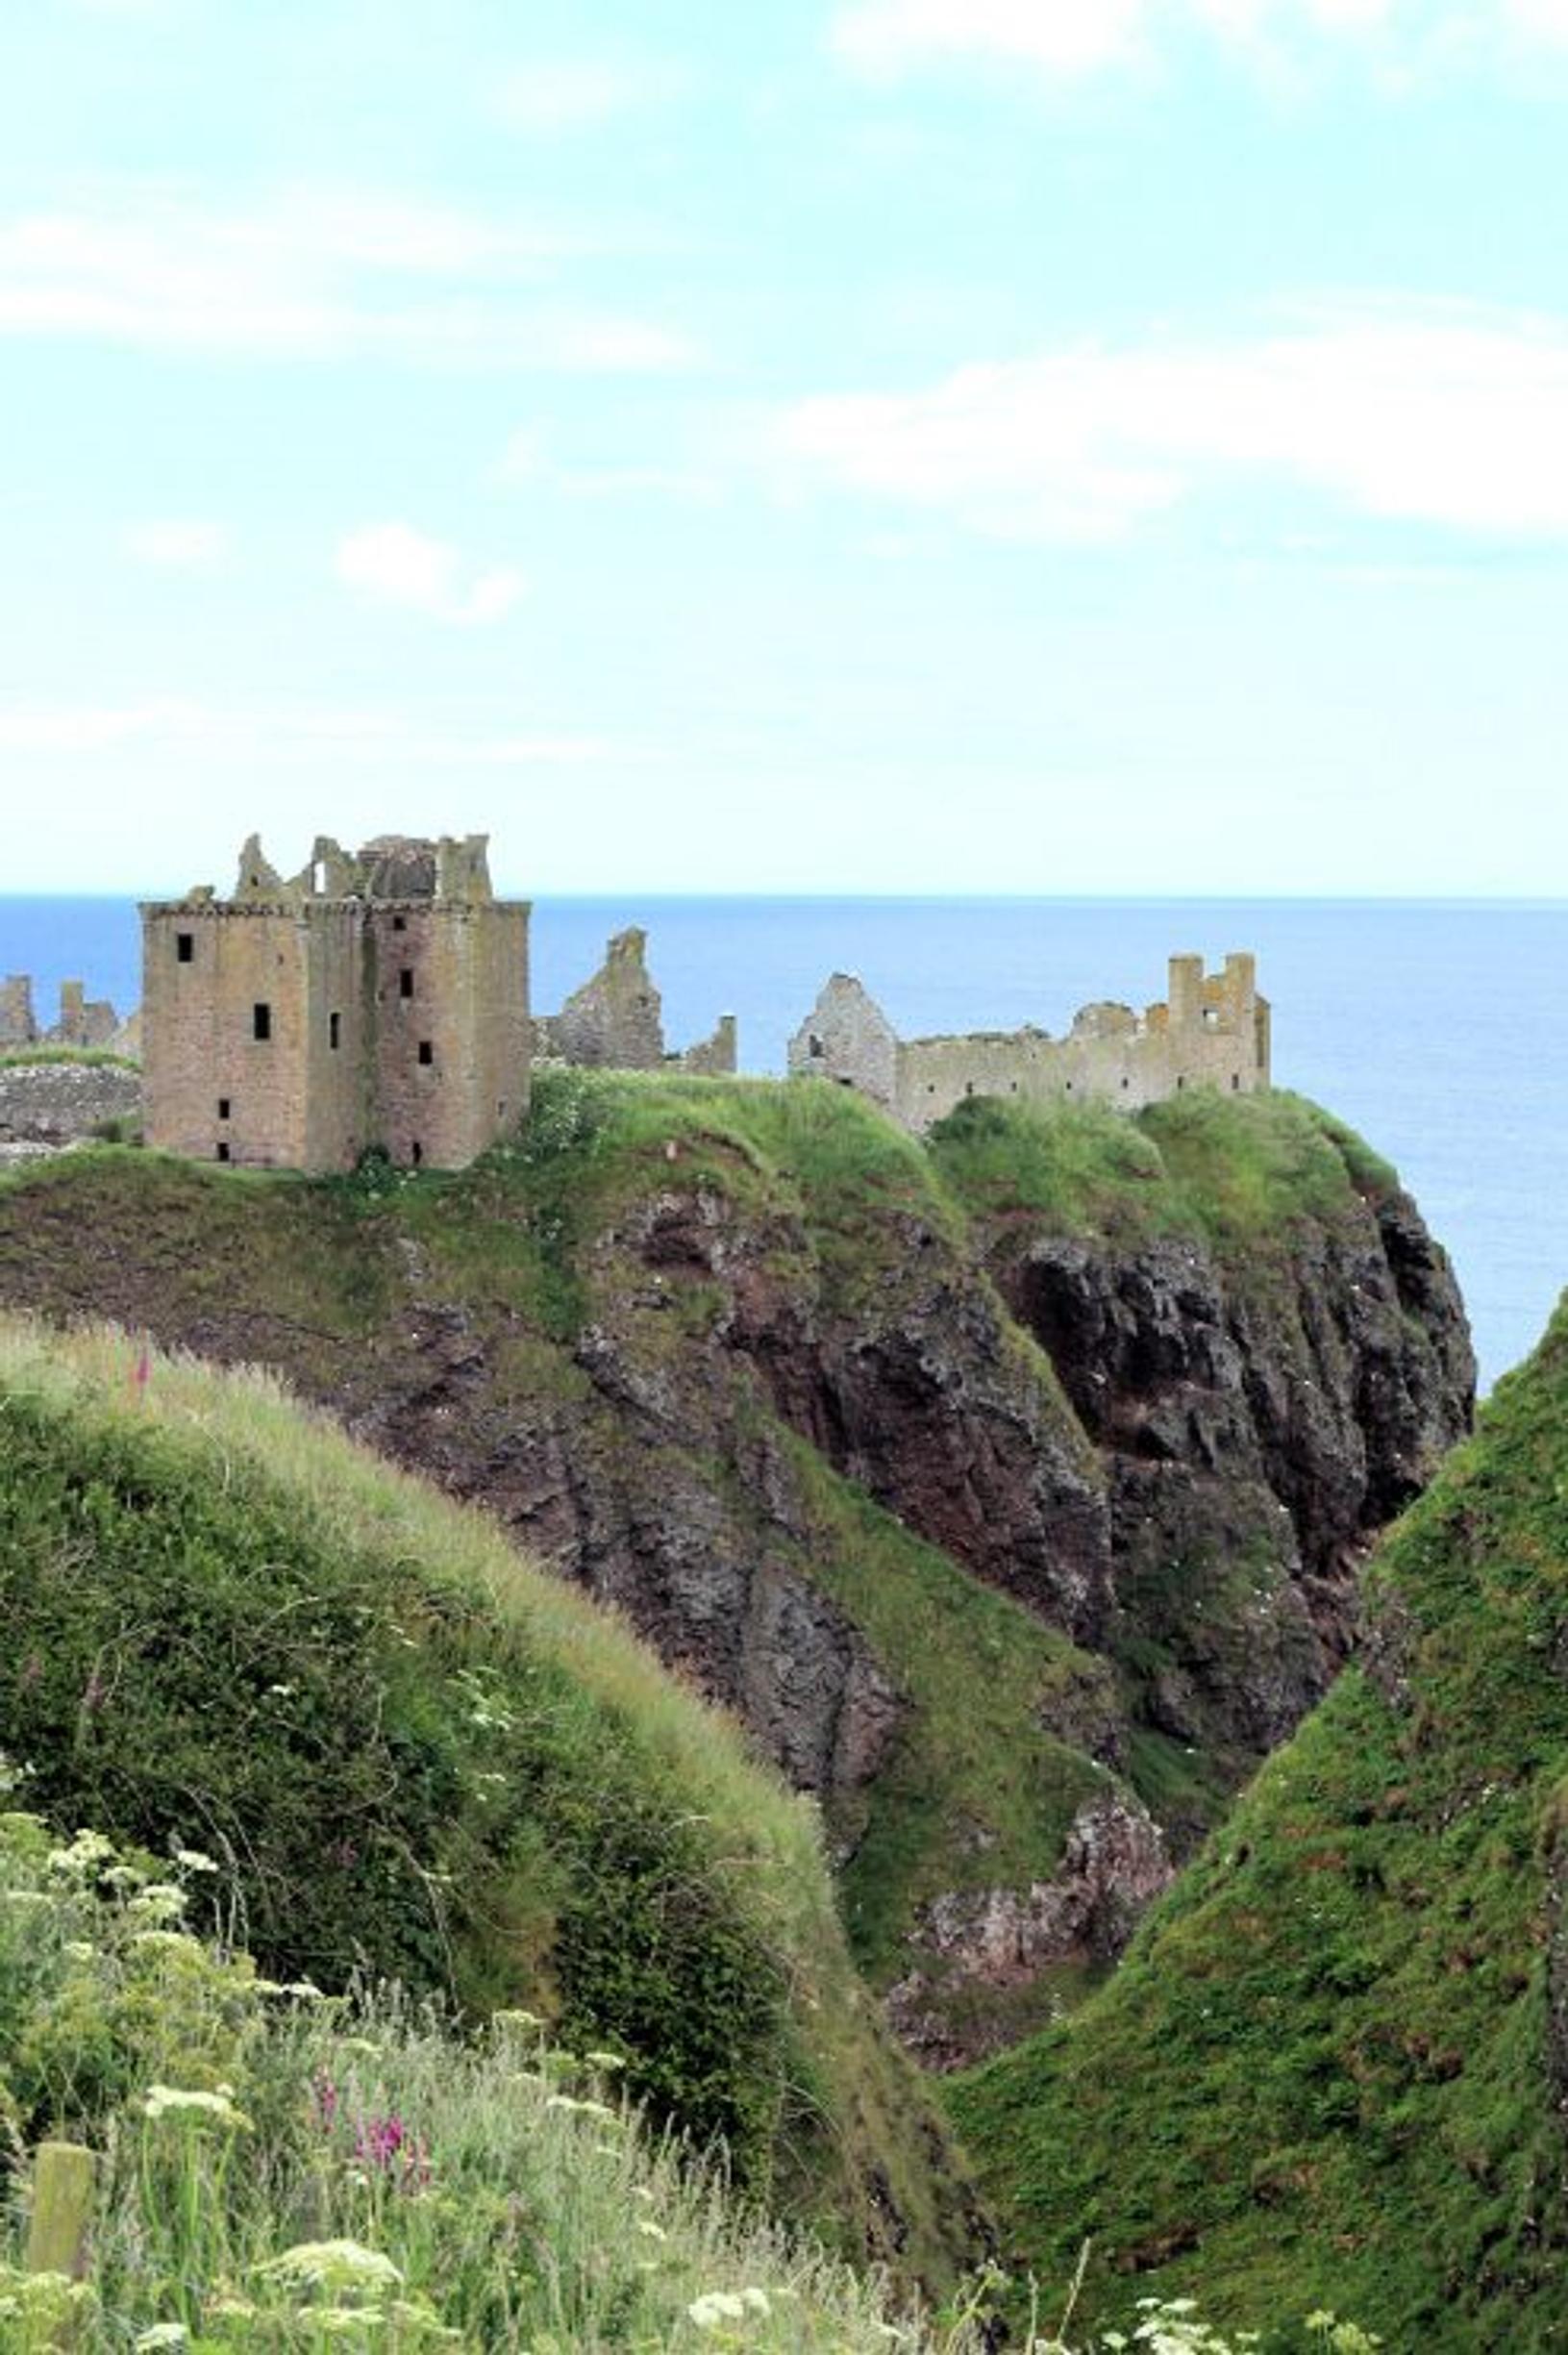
1211 1031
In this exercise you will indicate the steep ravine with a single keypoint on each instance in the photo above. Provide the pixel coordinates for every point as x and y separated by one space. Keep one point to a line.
1010 1491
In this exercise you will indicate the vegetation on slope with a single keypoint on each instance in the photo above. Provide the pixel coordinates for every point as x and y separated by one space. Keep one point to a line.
282 2170
1333 2069
1243 1173
327 1277
412 1753
456 1319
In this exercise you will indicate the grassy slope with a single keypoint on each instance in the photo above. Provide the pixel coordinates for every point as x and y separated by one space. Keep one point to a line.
1322 2075
225 1622
1243 1173
520 2202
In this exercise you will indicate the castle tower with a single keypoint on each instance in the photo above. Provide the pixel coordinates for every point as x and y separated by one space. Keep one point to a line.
381 1000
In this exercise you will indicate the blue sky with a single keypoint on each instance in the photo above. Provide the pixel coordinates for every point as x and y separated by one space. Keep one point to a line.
1101 446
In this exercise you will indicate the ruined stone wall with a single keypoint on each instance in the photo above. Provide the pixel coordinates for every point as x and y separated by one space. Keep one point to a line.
17 1027
1212 1032
714 1058
847 1037
226 1024
45 1106
84 1021
614 1022
449 995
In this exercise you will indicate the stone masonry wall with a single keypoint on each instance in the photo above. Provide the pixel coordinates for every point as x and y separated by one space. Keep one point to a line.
304 1020
614 1022
1213 1031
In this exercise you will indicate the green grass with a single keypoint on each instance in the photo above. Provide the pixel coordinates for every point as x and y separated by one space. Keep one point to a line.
1331 2071
1244 1173
977 1794
486 2189
415 1753
23 1057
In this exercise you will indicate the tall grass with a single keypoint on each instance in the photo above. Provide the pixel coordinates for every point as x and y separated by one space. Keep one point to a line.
412 1749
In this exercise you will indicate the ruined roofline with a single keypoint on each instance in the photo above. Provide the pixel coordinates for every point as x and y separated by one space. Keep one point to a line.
403 871
211 907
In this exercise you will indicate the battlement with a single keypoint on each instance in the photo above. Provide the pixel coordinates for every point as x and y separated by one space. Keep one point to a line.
373 999
1211 1030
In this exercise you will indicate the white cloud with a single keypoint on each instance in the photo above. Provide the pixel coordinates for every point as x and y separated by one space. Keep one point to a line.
1540 21
395 565
177 543
311 273
1065 40
561 94
1062 37
1451 416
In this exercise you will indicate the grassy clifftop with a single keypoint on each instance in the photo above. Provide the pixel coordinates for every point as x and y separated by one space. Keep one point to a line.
414 1753
1333 2069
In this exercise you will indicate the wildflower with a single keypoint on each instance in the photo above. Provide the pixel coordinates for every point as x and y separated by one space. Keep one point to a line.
650 2230
757 2300
716 2306
163 2100
163 2334
515 2019
78 1949
168 1941
335 2265
604 2062
194 1860
159 1901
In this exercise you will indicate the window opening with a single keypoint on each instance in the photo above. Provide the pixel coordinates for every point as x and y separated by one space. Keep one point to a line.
335 1030
419 1152
223 1108
404 982
223 1149
427 1053
185 947
261 1022
400 923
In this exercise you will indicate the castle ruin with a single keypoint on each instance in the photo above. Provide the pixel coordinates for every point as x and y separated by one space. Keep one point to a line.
377 1000
1212 1031
614 1022
84 1022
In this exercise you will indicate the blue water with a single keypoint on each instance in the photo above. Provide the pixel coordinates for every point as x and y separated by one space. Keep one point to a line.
1438 1029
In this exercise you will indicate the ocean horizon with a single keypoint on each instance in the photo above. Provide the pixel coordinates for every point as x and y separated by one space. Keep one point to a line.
1434 1026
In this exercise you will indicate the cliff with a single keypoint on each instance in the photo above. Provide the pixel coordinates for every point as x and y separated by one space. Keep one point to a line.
1333 2068
1011 1490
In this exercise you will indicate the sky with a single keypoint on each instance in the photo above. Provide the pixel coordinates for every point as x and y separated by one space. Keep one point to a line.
1112 446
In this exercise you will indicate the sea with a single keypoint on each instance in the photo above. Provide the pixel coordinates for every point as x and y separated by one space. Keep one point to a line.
1439 1029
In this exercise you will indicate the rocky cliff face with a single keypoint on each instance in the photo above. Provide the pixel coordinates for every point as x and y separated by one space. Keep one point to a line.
1015 1539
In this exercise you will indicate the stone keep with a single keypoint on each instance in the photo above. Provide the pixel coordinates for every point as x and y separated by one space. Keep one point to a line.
1212 1031
372 1001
